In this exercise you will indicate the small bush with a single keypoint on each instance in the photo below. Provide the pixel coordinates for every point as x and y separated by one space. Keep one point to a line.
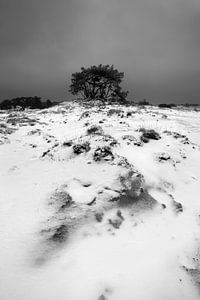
114 111
163 157
149 134
129 113
95 130
81 148
103 153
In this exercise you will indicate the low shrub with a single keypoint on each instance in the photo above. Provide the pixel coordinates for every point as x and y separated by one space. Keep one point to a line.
149 134
114 111
103 153
81 148
164 105
95 130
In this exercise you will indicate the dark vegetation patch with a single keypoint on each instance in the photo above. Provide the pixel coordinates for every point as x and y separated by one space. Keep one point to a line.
4 140
195 274
92 202
20 103
103 153
111 140
3 126
163 157
95 130
67 143
184 139
130 139
35 131
59 234
86 184
99 216
115 111
6 130
164 105
81 148
21 120
119 214
123 161
149 134
129 113
115 222
46 152
175 134
177 206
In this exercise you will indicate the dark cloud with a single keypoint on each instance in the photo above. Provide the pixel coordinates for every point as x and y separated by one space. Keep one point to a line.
155 42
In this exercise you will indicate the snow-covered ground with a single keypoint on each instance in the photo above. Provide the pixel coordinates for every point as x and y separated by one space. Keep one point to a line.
100 203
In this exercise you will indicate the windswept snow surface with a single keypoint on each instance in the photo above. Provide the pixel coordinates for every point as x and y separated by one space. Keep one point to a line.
97 214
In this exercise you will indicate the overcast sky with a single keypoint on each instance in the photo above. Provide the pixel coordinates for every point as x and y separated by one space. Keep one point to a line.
155 42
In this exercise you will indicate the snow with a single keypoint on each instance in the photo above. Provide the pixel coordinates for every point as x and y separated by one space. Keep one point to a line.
130 228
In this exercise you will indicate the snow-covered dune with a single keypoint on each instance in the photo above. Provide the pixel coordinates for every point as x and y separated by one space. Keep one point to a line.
100 203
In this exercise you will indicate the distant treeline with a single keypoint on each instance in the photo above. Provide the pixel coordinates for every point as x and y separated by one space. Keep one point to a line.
37 103
171 105
26 102
167 105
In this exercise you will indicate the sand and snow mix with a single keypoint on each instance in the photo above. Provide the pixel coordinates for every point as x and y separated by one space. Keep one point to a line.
100 203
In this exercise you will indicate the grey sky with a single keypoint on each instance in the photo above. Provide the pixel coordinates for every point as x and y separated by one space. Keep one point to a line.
155 42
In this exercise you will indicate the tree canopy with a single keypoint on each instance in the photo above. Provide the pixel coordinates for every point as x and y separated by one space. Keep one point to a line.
98 82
